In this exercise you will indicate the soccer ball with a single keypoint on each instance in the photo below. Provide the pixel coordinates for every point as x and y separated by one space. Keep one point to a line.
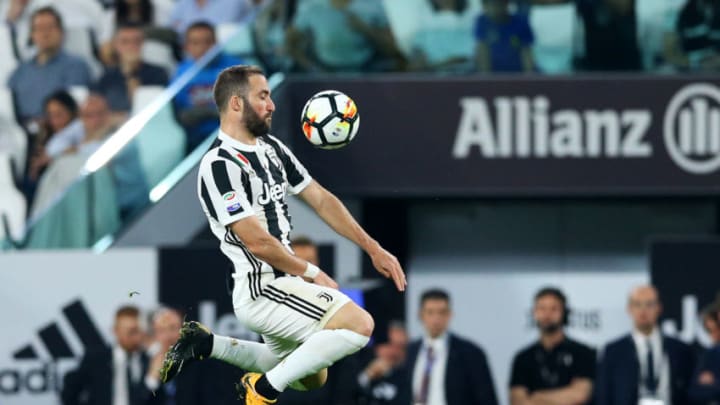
330 119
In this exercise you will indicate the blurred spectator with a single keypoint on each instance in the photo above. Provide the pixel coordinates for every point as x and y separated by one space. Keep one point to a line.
130 185
384 380
214 12
118 83
710 317
112 375
705 383
51 69
442 367
340 35
644 366
60 130
503 39
269 30
611 39
555 369
139 12
305 249
194 104
444 39
691 42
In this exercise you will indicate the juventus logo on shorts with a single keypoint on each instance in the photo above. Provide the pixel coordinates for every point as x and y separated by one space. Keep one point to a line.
325 296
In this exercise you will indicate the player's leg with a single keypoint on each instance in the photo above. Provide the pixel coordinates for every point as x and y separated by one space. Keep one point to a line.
339 329
197 343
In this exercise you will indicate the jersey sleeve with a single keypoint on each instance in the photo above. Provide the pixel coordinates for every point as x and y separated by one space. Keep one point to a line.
297 175
224 191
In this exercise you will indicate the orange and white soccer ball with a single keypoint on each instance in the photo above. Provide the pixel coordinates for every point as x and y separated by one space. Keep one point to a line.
330 119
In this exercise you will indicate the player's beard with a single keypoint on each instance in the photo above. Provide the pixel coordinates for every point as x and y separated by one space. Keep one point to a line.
255 124
550 328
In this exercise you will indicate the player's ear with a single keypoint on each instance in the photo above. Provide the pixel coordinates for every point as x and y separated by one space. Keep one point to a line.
236 104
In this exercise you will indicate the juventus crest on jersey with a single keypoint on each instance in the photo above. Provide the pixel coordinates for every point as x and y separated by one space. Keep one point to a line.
237 180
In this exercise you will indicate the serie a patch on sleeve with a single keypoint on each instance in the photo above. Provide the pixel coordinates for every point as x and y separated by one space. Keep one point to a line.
232 203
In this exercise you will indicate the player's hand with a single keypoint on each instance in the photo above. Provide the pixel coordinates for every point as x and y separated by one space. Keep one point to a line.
387 265
324 280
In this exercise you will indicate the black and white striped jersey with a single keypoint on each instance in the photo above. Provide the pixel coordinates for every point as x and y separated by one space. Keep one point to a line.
237 180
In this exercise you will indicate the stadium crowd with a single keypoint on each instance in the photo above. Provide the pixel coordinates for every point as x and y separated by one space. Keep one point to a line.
125 51
642 367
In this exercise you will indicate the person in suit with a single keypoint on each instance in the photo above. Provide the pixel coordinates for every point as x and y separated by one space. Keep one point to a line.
644 366
705 383
555 369
445 369
112 375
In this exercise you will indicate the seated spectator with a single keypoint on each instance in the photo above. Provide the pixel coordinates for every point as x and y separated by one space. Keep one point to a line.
187 12
705 383
555 369
444 40
503 39
130 185
351 37
60 130
384 379
194 104
644 366
51 69
442 367
269 30
690 43
611 39
118 83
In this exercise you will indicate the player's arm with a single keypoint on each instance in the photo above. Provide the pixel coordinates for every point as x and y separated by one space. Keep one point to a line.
578 392
335 214
268 249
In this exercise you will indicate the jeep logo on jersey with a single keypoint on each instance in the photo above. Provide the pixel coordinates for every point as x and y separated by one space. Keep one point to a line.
692 128
272 193
524 127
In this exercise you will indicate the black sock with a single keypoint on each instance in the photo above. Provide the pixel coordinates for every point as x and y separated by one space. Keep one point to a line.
205 347
264 388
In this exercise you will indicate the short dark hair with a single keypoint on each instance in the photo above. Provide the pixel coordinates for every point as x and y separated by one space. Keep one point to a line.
233 81
551 291
130 25
200 25
64 98
434 294
127 310
50 10
302 240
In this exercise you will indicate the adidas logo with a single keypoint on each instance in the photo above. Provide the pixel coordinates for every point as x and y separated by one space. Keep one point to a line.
38 368
56 344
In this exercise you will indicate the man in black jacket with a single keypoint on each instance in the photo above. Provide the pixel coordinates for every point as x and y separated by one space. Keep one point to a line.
555 370
644 366
112 375
443 368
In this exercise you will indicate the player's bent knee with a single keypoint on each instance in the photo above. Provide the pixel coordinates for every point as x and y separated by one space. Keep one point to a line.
315 381
354 318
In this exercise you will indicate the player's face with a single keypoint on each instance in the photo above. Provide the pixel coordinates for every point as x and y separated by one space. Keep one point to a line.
548 313
644 308
167 328
435 316
258 107
128 334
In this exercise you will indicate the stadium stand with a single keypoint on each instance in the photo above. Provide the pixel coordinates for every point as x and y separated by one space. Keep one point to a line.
160 54
554 27
12 203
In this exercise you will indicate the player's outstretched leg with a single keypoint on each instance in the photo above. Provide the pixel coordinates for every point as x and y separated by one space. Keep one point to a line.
197 343
345 333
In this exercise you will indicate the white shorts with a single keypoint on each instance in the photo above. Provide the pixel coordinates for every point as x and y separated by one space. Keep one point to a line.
287 311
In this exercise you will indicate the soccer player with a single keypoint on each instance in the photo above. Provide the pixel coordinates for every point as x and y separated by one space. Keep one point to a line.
306 323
